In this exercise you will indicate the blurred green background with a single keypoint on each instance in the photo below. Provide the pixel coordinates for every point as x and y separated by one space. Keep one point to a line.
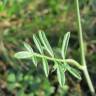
19 20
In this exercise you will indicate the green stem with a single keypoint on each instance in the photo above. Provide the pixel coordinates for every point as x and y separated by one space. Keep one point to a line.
83 61
69 61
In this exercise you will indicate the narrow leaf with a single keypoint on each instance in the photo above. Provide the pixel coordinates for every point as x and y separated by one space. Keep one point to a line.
65 44
28 47
45 43
23 55
64 68
46 67
60 75
74 72
34 59
37 43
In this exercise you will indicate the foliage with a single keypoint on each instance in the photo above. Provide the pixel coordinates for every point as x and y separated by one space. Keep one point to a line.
43 44
19 20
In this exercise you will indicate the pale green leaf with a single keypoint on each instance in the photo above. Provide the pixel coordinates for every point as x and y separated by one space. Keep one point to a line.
5 2
60 75
34 59
45 67
23 55
65 44
64 68
74 72
46 43
28 47
37 43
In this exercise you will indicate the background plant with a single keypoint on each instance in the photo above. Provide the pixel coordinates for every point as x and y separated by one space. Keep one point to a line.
60 65
60 70
20 19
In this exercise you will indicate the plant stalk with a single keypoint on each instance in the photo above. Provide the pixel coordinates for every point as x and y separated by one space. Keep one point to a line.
83 61
69 61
